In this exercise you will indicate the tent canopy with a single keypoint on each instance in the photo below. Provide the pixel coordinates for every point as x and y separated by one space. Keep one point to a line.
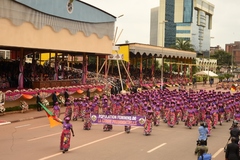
206 73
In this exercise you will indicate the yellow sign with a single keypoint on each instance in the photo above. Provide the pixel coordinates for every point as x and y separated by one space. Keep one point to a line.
124 50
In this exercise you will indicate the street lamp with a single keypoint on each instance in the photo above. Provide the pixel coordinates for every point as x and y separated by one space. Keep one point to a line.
120 16
163 22
209 57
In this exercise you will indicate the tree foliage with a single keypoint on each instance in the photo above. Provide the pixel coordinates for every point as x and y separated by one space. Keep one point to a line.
224 59
182 44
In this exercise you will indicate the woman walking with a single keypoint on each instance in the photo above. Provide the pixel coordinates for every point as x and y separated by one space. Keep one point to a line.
66 135
56 110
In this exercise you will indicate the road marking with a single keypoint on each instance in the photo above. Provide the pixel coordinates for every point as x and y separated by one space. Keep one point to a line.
87 144
217 153
34 139
156 148
4 123
22 126
38 127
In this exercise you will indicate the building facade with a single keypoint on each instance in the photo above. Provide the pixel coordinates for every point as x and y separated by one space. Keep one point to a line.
204 64
187 19
215 49
234 50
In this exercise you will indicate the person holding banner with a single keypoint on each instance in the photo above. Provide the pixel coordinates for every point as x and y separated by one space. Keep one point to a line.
127 127
108 127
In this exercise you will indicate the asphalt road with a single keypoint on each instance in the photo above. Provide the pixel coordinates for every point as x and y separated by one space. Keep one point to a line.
35 140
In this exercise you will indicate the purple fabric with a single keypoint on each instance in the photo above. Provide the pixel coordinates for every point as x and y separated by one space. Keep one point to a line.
208 116
237 115
67 126
221 109
56 107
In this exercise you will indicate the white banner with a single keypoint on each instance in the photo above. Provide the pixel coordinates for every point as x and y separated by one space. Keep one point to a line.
115 57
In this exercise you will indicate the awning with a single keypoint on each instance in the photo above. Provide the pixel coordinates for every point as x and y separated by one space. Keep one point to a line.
158 51
206 73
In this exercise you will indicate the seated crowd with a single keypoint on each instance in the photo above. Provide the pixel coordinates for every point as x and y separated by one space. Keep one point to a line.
9 72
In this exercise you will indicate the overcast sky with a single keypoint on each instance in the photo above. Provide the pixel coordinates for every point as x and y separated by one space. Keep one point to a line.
135 24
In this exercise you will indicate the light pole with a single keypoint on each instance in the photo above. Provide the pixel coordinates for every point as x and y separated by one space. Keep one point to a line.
209 57
163 23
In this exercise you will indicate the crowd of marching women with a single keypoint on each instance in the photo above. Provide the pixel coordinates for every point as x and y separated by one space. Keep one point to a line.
172 107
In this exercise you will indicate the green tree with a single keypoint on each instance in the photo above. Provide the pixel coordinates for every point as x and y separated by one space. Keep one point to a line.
221 77
182 44
223 58
227 76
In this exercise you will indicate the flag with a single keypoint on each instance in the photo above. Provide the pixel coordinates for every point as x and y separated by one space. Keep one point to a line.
53 120
233 88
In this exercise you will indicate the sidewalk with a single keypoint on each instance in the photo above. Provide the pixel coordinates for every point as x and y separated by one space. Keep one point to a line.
17 116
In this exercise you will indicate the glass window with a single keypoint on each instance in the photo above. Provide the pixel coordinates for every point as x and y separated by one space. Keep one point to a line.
170 30
183 31
183 24
187 11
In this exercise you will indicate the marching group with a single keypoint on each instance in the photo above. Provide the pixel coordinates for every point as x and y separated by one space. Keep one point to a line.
191 107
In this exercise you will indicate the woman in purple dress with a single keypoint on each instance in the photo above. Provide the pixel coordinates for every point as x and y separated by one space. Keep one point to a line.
56 110
66 135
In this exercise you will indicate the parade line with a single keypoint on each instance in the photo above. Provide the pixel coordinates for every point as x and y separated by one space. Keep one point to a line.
87 144
156 148
217 153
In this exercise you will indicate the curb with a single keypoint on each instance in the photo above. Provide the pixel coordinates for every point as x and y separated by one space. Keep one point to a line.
4 123
25 119
20 120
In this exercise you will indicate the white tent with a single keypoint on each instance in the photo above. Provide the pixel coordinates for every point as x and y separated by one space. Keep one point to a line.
206 73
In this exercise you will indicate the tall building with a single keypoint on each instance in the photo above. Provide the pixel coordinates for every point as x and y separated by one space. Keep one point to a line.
187 19
234 50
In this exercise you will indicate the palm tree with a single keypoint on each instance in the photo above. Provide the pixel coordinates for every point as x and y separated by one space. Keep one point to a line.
182 44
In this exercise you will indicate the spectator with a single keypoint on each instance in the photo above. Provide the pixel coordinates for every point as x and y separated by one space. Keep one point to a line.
39 108
204 155
211 82
235 132
203 131
204 81
66 95
201 148
194 82
232 151
88 93
54 98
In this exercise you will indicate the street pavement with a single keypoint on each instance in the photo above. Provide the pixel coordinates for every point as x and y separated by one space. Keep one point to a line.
18 116
32 135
